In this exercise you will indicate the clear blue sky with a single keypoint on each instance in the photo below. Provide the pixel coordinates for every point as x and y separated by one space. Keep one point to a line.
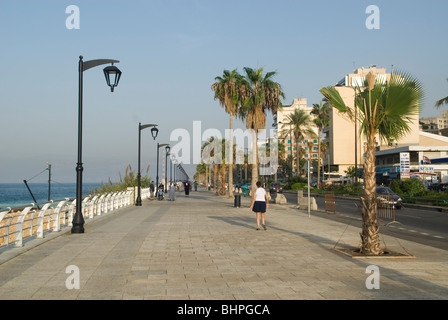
170 52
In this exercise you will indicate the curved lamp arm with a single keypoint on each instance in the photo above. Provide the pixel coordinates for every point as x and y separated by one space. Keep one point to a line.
93 63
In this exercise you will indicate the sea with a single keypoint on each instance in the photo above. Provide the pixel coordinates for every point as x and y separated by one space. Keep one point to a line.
16 195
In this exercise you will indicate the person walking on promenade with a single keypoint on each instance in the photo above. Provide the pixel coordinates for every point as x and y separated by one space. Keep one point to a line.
151 190
187 188
260 202
172 191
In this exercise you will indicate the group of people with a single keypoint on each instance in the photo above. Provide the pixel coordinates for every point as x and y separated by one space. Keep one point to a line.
259 203
171 189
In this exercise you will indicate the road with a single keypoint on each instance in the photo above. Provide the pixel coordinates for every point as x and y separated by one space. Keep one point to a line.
421 225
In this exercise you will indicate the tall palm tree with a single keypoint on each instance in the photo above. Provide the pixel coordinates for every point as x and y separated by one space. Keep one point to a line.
321 120
226 91
259 93
443 100
300 125
384 110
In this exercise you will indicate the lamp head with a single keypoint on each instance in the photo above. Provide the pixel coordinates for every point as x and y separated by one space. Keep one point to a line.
112 74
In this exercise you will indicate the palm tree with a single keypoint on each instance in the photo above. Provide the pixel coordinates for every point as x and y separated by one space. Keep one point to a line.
226 91
443 100
258 94
321 120
300 124
384 110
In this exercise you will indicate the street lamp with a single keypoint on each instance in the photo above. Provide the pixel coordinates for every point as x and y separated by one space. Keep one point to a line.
78 220
157 177
154 132
167 151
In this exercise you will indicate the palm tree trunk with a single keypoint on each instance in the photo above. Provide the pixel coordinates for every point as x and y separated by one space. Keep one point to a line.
231 158
318 161
370 232
297 157
215 177
223 180
254 161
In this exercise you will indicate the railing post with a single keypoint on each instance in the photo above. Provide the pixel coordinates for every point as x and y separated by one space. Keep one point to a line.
57 216
40 221
19 227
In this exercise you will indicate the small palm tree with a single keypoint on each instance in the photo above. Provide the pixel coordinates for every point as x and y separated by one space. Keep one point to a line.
384 110
258 94
300 124
321 120
443 100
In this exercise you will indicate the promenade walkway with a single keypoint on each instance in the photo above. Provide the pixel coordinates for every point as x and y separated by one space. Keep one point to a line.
201 247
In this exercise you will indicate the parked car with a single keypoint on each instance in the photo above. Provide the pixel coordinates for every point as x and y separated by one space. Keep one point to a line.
275 187
387 198
438 187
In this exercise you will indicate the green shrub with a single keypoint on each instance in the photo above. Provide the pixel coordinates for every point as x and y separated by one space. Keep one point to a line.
412 187
299 185
129 180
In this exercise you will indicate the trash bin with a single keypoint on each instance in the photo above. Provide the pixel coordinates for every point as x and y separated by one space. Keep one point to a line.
237 200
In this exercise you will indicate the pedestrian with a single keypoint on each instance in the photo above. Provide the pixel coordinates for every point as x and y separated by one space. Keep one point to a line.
195 185
260 202
151 190
172 191
160 191
187 188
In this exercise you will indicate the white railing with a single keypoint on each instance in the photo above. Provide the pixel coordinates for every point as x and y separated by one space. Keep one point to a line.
15 226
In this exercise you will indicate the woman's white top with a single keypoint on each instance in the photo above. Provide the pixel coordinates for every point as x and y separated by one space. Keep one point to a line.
260 194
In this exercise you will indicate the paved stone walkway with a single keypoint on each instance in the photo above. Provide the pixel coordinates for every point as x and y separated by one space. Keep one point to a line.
202 247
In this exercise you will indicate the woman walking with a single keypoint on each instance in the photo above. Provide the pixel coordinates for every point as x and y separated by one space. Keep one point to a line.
260 202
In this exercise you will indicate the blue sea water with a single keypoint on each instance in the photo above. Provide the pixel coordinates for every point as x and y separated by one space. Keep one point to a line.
17 195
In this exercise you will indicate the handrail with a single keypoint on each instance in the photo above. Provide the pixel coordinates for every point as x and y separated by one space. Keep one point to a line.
17 224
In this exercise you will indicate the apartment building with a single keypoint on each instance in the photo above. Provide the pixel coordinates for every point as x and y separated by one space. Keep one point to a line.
436 125
288 140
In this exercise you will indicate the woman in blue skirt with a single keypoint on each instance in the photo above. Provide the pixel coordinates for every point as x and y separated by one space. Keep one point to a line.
260 202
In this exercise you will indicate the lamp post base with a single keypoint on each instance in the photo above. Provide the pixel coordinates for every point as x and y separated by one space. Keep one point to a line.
77 228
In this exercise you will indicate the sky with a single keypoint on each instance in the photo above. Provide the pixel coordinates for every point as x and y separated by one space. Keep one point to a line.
170 52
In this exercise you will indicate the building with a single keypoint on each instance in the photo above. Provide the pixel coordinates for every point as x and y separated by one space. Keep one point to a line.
427 161
436 125
289 140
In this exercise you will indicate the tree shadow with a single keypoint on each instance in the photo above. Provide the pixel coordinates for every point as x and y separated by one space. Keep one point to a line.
401 283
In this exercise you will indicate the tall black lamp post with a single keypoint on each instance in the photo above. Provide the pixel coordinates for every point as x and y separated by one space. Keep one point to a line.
111 73
154 132
167 151
157 177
